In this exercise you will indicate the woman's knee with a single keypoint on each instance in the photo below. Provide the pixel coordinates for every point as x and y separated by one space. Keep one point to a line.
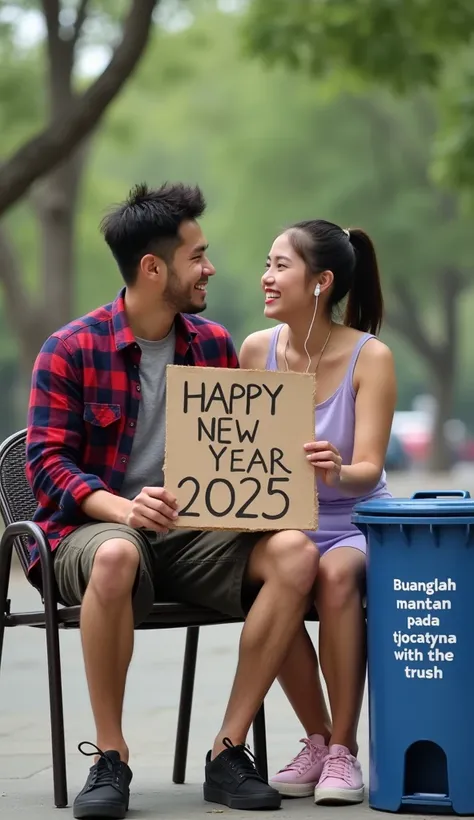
292 558
115 568
338 584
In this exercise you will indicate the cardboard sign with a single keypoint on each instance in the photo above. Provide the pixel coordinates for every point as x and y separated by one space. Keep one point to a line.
234 448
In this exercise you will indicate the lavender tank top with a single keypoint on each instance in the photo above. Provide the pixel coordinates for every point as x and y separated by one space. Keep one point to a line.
335 422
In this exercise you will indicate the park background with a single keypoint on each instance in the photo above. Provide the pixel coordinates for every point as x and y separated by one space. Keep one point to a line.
357 111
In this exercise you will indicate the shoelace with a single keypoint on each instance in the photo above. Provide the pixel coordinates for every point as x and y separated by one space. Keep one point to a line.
307 757
241 759
339 766
106 772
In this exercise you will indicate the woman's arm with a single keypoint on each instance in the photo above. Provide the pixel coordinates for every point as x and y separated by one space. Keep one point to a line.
376 394
375 382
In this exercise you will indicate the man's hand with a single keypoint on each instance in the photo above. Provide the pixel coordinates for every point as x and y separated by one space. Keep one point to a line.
154 508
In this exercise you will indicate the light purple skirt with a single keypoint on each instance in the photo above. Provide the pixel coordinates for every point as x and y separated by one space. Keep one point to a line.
335 528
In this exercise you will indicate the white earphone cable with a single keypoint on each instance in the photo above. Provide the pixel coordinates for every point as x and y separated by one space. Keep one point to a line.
309 332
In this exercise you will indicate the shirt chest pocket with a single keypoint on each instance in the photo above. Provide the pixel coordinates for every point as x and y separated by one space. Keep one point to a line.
102 415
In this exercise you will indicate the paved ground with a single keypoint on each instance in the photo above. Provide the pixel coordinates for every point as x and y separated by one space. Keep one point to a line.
150 717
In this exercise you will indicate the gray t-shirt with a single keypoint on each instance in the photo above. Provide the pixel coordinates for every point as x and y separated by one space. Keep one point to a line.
145 466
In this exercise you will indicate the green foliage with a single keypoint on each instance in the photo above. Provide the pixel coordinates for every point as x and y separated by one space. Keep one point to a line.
403 44
268 147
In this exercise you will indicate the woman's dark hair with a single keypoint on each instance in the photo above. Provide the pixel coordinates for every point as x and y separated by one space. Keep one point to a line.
351 257
149 222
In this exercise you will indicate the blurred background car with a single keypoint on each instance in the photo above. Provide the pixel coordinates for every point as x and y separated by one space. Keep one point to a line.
397 458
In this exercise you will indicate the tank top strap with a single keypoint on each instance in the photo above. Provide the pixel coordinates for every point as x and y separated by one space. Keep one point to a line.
271 358
349 378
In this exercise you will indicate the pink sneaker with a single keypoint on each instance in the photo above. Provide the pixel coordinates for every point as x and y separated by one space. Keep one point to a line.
341 779
299 777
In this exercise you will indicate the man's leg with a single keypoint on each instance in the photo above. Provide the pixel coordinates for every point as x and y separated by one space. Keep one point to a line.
107 634
216 569
285 563
101 564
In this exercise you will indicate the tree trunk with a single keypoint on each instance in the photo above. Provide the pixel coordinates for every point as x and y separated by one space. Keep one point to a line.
60 149
440 356
66 130
443 382
55 204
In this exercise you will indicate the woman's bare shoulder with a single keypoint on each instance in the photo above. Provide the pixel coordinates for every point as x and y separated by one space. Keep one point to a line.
376 352
254 351
375 363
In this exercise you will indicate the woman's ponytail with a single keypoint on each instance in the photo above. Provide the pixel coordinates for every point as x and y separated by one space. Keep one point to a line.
364 310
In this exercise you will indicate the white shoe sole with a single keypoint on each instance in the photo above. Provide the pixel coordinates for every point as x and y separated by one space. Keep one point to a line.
338 797
293 789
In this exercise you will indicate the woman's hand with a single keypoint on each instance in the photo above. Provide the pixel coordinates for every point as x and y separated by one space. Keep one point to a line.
326 459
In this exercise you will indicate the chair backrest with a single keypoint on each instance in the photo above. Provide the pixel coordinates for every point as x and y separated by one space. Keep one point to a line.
17 502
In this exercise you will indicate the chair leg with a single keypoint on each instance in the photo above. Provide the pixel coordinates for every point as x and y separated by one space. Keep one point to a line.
6 550
260 742
55 699
185 704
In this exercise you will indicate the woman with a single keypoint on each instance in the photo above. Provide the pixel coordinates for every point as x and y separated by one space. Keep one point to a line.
312 267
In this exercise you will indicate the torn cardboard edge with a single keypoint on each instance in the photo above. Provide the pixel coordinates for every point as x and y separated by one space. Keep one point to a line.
194 372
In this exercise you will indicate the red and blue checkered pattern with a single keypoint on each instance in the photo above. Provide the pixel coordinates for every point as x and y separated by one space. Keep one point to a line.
84 403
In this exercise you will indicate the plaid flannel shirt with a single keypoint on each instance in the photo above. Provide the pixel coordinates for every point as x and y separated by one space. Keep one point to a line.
83 408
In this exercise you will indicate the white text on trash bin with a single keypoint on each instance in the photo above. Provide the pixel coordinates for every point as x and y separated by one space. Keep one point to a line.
416 644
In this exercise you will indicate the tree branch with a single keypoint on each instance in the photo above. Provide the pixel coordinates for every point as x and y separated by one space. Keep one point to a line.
405 320
80 20
17 300
60 61
51 15
43 152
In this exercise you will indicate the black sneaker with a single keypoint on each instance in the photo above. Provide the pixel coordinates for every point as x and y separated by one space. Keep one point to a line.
232 779
107 790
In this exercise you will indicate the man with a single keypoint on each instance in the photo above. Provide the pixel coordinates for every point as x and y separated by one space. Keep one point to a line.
95 448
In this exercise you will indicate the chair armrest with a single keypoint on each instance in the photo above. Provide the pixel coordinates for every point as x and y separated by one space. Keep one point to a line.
17 529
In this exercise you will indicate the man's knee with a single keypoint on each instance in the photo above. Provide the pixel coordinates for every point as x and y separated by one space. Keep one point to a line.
337 585
289 556
115 568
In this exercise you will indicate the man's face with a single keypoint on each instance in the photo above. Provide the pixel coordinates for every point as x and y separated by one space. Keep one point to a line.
188 272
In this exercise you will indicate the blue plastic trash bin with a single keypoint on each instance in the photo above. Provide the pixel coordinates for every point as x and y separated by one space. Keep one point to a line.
420 625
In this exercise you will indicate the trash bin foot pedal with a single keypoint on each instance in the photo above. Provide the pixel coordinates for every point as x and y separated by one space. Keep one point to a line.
425 801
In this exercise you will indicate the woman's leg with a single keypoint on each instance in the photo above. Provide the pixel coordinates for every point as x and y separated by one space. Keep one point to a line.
300 681
342 639
339 594
342 651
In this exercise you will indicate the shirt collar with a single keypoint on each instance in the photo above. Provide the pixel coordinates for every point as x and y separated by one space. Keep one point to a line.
123 335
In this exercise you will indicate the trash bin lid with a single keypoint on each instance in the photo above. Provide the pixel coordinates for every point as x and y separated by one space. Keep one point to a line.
432 503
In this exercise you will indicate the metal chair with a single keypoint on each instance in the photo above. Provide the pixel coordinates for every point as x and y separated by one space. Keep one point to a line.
17 505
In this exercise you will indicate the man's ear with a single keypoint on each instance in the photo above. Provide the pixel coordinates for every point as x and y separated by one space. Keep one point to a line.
152 266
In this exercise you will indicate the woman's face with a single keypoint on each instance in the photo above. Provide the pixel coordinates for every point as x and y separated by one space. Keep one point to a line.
287 287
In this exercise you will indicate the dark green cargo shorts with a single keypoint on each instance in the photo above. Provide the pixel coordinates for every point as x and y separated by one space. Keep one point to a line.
187 566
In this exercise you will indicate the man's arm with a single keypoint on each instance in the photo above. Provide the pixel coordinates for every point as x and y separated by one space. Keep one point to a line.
56 431
54 442
232 358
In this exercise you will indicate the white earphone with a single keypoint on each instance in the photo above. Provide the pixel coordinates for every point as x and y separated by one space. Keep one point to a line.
317 289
